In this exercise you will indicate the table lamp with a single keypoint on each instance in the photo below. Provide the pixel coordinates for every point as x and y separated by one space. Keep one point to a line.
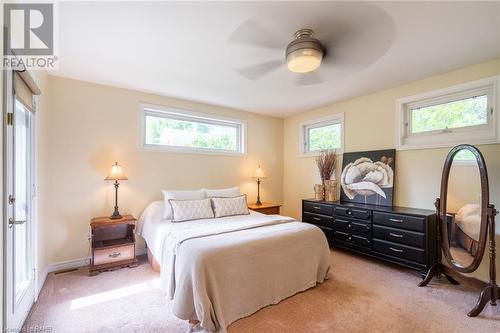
259 174
116 174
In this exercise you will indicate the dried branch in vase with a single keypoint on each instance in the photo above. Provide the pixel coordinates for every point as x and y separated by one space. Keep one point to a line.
326 162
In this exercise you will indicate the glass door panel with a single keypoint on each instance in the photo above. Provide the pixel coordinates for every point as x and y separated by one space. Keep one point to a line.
22 180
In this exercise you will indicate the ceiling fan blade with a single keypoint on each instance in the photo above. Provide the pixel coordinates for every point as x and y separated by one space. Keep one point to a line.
308 79
255 72
251 33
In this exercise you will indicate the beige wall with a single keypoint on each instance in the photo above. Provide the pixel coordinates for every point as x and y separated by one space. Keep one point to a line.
42 158
369 125
86 127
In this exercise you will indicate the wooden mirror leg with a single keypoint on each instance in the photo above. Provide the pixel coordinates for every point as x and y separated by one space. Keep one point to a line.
435 272
451 279
430 274
489 294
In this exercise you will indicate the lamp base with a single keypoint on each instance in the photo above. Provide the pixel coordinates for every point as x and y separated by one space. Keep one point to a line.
116 214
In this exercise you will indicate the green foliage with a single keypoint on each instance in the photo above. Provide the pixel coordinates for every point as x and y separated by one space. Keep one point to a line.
465 155
467 112
327 137
225 142
197 135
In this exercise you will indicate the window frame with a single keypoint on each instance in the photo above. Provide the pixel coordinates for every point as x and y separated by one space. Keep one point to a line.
337 118
476 134
146 109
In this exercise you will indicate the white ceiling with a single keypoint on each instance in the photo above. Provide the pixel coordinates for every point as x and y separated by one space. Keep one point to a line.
194 51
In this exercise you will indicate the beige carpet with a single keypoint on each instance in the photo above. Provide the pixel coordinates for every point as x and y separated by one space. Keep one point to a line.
362 295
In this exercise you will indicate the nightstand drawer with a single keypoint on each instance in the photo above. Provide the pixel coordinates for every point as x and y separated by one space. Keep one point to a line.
268 210
113 254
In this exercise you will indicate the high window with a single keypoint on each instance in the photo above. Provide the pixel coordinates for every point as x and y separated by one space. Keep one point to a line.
459 114
185 131
321 134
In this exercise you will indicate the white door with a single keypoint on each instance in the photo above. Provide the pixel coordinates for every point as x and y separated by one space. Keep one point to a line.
19 274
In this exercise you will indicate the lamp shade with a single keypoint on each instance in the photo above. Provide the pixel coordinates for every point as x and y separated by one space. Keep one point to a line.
259 173
116 173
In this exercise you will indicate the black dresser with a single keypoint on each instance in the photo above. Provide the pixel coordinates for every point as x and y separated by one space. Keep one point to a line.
405 236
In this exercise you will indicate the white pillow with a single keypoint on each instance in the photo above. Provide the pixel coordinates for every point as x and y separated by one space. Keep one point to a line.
230 206
180 195
154 212
187 210
223 192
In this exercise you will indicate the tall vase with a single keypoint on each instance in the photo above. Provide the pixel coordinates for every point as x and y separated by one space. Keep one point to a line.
331 190
319 191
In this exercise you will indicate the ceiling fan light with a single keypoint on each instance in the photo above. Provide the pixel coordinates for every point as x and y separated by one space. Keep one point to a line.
304 60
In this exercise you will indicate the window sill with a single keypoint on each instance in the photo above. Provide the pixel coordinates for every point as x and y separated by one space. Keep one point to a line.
184 150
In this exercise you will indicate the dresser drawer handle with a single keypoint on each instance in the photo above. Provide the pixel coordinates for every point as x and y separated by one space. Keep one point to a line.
316 207
396 250
396 235
114 254
316 219
396 220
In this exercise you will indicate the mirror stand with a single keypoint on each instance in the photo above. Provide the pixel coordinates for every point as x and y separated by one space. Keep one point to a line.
436 270
490 293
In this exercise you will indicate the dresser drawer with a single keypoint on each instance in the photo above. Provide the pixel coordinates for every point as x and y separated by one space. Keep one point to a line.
317 219
399 221
357 213
351 239
327 231
351 225
113 254
398 250
400 236
318 208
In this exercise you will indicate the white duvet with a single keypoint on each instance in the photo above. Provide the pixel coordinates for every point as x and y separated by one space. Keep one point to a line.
219 270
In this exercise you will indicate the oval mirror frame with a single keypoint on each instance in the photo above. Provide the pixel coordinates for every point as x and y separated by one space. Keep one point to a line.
483 173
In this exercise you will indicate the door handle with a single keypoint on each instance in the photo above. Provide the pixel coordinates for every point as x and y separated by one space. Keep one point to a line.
12 222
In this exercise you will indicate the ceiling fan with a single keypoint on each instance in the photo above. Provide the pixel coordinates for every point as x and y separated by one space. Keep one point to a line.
338 46
303 56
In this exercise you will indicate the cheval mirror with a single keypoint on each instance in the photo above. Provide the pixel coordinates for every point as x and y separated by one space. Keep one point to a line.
465 220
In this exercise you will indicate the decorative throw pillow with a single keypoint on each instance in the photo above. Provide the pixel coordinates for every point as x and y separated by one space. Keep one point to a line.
230 206
230 192
187 210
180 195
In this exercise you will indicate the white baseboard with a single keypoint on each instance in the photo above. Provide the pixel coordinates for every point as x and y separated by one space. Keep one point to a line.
69 264
77 263
40 282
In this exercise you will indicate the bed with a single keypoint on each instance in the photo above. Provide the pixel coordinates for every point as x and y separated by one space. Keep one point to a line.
468 222
216 271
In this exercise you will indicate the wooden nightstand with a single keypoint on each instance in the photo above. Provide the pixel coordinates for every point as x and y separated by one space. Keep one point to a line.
266 208
113 243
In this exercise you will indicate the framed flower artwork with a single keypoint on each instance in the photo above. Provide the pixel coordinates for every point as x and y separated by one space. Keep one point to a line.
368 177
